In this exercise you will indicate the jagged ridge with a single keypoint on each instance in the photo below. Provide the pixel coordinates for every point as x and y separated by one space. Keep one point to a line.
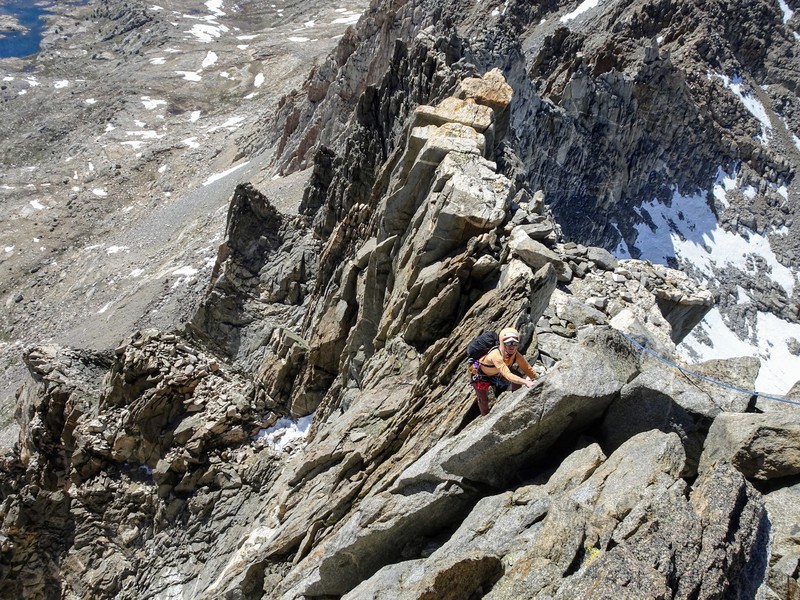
397 488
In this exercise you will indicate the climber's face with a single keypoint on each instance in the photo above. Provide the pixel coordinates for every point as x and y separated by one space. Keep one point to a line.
509 347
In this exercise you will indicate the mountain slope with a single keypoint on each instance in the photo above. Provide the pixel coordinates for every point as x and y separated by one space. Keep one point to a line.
620 112
467 164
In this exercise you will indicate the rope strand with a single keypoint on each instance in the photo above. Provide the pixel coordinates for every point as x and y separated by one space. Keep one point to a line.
708 379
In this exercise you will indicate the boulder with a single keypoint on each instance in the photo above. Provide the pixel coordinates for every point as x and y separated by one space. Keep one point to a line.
597 523
540 230
493 91
64 386
380 529
771 405
472 198
761 446
664 398
535 254
784 559
602 258
571 310
521 427
654 334
454 110
441 483
717 541
413 175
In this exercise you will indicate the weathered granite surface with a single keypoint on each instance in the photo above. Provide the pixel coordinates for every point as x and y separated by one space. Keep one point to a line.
166 467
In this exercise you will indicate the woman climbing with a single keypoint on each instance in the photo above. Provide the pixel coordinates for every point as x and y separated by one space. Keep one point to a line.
493 369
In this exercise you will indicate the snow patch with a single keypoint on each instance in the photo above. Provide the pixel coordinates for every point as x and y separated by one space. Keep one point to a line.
351 18
116 249
779 367
185 271
207 33
285 431
100 192
194 116
37 205
782 231
147 134
219 176
688 231
750 102
582 8
231 124
259 80
61 84
215 7
724 184
787 12
151 104
90 101
742 297
209 60
190 75
298 39
185 275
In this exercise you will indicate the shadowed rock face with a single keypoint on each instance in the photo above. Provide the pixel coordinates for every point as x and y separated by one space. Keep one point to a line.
162 469
613 109
262 274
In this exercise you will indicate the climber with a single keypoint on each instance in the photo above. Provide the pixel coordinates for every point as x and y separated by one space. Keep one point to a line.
493 369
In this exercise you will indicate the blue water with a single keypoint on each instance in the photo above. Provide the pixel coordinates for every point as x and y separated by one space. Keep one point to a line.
30 14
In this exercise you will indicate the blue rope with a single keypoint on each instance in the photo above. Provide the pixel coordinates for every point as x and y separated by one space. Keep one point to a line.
704 378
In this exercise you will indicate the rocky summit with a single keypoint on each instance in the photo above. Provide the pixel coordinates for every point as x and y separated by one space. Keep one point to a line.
235 351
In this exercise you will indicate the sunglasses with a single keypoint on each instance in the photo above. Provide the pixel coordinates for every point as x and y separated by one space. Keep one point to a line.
510 343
